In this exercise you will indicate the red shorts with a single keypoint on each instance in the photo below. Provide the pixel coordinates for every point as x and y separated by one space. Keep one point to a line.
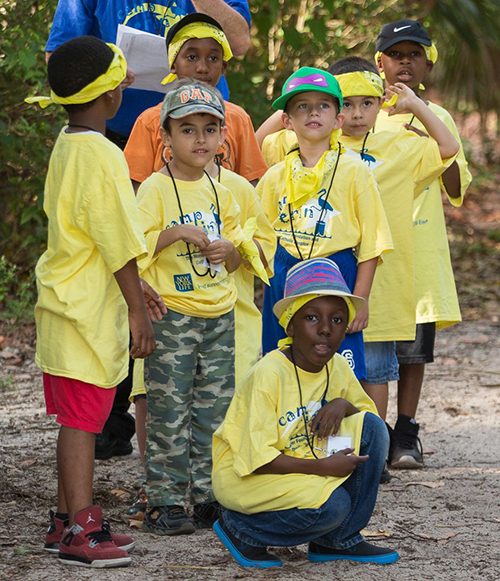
77 404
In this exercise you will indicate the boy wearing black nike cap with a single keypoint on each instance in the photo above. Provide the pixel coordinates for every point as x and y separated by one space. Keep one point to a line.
405 54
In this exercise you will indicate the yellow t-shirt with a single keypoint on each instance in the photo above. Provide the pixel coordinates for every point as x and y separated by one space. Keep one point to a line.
264 420
94 230
247 317
403 165
435 291
170 271
276 145
351 217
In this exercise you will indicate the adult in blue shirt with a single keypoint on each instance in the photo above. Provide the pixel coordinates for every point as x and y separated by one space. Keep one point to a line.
101 18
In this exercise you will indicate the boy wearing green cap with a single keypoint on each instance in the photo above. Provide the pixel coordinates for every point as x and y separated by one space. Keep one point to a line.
405 54
322 203
279 472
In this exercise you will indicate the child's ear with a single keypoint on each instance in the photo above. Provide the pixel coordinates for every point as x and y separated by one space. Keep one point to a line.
223 134
379 65
224 67
430 66
165 137
340 121
287 122
290 330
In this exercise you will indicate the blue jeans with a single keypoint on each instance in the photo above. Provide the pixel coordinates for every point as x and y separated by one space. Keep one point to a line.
335 524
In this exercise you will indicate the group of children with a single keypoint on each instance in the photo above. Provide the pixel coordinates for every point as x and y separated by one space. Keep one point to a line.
346 231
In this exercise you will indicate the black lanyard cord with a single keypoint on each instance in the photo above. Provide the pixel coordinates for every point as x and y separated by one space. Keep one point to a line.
209 270
320 216
151 10
362 152
310 442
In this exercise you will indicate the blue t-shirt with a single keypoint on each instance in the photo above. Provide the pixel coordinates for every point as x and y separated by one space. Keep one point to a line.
101 18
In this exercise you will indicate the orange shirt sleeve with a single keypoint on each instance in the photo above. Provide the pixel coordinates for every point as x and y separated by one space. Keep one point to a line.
245 156
144 147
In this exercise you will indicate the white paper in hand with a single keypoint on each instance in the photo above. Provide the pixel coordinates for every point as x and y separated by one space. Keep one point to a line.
213 267
146 56
337 443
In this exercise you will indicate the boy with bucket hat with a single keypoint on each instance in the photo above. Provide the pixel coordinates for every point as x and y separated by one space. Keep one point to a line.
322 203
279 472
406 53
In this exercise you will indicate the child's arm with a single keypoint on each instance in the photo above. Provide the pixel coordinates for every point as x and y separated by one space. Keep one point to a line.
192 234
362 288
143 337
340 464
408 101
270 125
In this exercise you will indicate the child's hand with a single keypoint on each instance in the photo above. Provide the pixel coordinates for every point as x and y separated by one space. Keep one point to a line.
406 97
143 337
327 421
155 306
218 251
342 463
193 235
360 321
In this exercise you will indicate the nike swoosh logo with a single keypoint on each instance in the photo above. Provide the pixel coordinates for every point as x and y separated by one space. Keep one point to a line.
402 28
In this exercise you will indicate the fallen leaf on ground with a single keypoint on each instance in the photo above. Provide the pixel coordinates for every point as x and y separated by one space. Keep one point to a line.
189 567
121 494
27 463
133 523
442 540
377 533
429 452
478 340
456 526
426 484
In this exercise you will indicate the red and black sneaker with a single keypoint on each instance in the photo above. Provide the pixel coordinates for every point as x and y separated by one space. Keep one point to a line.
89 544
56 529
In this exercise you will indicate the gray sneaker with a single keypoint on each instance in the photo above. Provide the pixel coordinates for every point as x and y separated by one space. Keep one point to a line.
167 520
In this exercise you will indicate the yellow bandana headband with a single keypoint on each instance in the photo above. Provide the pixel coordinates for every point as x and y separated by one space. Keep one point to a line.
113 77
364 83
195 30
297 304
301 183
431 53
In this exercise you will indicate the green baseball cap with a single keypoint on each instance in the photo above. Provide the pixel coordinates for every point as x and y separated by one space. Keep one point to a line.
196 97
308 79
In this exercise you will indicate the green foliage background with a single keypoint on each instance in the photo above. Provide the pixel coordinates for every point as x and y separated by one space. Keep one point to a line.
285 35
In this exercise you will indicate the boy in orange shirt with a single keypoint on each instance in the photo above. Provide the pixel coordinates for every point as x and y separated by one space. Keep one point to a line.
198 48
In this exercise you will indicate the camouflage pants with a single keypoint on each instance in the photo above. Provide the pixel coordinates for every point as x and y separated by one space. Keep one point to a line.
189 384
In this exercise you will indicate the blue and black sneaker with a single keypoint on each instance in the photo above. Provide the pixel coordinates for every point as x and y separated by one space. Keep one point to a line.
362 552
245 555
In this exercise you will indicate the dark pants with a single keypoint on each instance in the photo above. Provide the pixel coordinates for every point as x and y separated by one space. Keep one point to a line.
120 423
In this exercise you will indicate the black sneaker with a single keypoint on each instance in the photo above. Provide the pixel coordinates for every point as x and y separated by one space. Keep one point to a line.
362 552
167 520
205 514
245 555
385 477
107 445
406 452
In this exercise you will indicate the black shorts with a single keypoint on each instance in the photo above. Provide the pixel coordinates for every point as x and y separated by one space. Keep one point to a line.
421 349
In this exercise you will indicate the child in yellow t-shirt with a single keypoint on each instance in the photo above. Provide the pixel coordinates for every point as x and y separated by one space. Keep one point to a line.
86 279
403 164
281 478
322 203
192 231
406 53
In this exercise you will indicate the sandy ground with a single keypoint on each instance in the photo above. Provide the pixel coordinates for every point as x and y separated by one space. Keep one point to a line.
444 520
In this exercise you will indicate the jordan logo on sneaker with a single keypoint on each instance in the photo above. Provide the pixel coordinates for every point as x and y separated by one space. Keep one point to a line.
90 519
402 28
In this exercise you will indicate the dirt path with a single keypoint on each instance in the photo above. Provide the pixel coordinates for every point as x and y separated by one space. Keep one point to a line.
444 520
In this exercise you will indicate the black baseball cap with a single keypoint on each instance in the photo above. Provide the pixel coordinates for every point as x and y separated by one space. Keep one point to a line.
399 31
189 19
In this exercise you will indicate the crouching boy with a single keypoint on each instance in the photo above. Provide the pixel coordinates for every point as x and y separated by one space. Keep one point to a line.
276 471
